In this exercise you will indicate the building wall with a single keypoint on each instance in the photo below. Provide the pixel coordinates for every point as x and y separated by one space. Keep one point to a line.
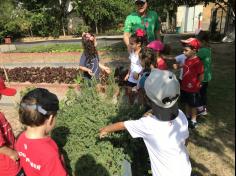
188 18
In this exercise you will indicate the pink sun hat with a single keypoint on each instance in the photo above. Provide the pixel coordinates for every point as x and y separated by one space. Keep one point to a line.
156 45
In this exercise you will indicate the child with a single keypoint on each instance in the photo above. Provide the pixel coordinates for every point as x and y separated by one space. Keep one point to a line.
165 130
193 73
37 151
137 41
9 165
148 61
159 48
89 61
206 57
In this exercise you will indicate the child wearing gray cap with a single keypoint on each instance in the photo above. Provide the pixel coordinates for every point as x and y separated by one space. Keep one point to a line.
164 130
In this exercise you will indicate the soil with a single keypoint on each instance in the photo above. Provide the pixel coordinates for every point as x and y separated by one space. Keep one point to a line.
211 162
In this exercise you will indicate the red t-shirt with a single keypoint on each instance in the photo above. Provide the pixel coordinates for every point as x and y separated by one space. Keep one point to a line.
39 157
161 64
8 167
192 68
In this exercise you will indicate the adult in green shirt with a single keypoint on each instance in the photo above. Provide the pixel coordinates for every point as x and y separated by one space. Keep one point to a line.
143 18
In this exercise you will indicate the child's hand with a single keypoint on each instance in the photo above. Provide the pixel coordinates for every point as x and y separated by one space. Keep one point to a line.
14 155
126 77
175 66
90 72
107 70
102 133
136 75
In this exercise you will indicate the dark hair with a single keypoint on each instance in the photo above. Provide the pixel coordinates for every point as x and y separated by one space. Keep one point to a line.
203 36
37 106
140 39
149 57
90 50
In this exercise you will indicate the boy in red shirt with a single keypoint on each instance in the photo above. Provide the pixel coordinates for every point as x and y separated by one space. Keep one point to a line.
193 75
9 165
39 154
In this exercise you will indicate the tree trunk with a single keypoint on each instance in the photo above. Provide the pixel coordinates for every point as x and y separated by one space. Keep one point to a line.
63 27
96 27
31 32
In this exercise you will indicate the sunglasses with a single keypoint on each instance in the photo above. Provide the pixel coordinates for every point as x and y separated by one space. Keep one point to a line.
139 3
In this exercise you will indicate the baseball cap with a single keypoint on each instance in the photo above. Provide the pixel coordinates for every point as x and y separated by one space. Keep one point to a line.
156 45
5 90
163 89
141 0
46 101
192 42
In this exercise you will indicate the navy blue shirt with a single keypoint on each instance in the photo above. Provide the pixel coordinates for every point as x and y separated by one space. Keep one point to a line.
93 65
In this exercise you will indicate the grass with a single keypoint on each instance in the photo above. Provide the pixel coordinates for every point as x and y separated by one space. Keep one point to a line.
49 48
212 145
59 48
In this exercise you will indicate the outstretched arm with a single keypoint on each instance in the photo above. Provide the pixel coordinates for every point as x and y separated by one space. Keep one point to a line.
85 69
9 152
119 126
126 40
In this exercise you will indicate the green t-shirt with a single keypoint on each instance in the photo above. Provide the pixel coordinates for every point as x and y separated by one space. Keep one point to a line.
206 57
150 23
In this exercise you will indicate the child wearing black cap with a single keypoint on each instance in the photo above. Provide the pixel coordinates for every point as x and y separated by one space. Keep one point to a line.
9 164
39 155
165 130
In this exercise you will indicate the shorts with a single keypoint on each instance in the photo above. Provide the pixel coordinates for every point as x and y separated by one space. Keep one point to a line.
193 99
130 84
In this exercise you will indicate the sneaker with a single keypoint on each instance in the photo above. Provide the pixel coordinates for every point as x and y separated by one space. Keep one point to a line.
192 125
202 112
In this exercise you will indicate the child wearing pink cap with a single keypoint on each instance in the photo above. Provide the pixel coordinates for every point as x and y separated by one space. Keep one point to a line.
159 48
9 158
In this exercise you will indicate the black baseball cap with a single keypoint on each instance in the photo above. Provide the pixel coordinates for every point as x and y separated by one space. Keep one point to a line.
141 1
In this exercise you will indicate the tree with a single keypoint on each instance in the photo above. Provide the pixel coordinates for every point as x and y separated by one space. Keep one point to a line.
99 12
52 13
8 25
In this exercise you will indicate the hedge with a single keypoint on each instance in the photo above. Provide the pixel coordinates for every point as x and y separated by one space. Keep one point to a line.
81 116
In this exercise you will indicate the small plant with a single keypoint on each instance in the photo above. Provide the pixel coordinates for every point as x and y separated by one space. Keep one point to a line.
78 80
83 114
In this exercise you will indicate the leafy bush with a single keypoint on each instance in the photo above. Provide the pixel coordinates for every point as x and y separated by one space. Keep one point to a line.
80 29
81 115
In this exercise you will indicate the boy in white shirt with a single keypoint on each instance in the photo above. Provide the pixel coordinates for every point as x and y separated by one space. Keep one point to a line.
165 130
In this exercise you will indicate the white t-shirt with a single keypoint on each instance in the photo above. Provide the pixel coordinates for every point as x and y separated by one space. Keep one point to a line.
135 66
181 60
165 142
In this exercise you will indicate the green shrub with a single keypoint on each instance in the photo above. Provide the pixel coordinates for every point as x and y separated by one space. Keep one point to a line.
81 116
80 29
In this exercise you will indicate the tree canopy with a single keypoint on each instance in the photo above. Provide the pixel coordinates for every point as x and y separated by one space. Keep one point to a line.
50 17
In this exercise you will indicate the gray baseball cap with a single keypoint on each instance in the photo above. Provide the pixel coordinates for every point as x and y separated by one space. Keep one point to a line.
163 89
